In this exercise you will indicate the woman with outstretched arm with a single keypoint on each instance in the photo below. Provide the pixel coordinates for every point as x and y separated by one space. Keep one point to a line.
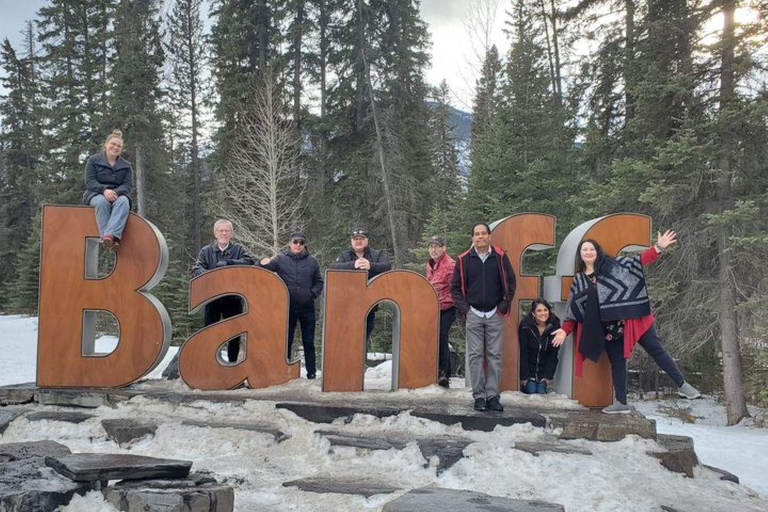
608 307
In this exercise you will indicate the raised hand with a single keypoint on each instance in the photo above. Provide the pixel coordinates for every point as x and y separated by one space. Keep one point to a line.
668 238
559 338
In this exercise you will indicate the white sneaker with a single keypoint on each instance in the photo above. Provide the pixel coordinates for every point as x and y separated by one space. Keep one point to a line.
619 408
688 391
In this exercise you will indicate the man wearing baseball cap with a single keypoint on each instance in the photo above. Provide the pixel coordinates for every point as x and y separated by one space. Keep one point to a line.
362 257
440 268
301 274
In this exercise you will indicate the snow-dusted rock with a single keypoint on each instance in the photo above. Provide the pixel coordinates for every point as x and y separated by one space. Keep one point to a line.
86 467
125 430
436 499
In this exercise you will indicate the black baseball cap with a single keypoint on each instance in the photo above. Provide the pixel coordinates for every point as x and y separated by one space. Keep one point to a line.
359 232
436 240
298 235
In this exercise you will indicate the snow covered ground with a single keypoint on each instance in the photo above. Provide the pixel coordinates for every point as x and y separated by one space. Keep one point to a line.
616 477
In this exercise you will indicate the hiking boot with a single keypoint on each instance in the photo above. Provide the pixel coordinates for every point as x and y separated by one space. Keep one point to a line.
480 404
443 381
494 404
688 391
311 376
619 408
108 241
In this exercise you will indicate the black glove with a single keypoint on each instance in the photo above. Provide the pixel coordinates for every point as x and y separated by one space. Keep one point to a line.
222 263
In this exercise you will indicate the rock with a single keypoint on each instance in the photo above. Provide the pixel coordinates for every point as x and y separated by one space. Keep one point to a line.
125 430
276 433
724 475
87 398
436 499
171 371
484 421
193 480
550 445
28 486
448 449
327 485
365 442
678 455
29 450
17 394
6 418
598 426
209 497
87 467
65 416
324 413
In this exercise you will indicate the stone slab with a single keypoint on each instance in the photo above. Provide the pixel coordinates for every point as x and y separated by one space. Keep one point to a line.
209 497
436 499
448 449
32 449
28 486
551 445
678 454
327 485
325 413
87 467
6 418
724 475
275 432
65 416
483 421
16 394
126 430
380 442
87 398
192 480
598 426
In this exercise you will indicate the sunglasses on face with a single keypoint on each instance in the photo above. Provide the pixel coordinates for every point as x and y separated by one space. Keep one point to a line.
298 242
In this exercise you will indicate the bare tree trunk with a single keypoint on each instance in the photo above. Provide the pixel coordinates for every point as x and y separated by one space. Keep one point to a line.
385 177
629 59
194 69
141 181
323 28
735 402
550 57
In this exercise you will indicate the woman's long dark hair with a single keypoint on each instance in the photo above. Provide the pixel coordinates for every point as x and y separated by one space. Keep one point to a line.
601 260
535 304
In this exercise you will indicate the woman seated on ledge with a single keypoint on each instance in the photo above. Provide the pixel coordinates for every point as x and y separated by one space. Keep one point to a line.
538 356
108 183
608 307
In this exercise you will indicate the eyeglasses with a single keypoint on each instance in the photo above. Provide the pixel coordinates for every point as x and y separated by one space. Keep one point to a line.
298 242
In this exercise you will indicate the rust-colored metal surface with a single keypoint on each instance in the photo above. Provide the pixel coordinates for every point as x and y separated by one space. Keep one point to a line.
516 234
349 297
614 233
263 328
70 292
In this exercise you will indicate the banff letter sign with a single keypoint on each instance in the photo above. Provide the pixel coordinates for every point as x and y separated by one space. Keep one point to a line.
71 293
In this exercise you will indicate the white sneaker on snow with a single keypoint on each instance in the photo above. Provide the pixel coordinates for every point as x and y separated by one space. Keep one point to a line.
688 391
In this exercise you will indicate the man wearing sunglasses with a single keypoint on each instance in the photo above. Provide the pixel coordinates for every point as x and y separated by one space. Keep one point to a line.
301 274
362 257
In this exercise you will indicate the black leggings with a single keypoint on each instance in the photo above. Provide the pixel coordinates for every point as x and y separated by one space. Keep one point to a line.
651 343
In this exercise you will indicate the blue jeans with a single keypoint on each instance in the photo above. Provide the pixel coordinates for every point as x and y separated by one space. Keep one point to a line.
532 387
111 217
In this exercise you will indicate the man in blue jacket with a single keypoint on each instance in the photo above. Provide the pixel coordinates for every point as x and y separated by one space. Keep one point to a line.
301 274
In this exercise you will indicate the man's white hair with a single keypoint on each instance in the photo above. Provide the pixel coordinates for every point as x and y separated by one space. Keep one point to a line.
221 222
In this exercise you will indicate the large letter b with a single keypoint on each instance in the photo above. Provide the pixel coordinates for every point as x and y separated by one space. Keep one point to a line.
71 292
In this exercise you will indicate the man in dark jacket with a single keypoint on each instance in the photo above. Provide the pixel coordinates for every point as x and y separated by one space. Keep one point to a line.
221 253
301 274
483 285
361 257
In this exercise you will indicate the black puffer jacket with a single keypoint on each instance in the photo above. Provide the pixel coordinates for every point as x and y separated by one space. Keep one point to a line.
301 274
211 255
538 358
100 176
379 261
